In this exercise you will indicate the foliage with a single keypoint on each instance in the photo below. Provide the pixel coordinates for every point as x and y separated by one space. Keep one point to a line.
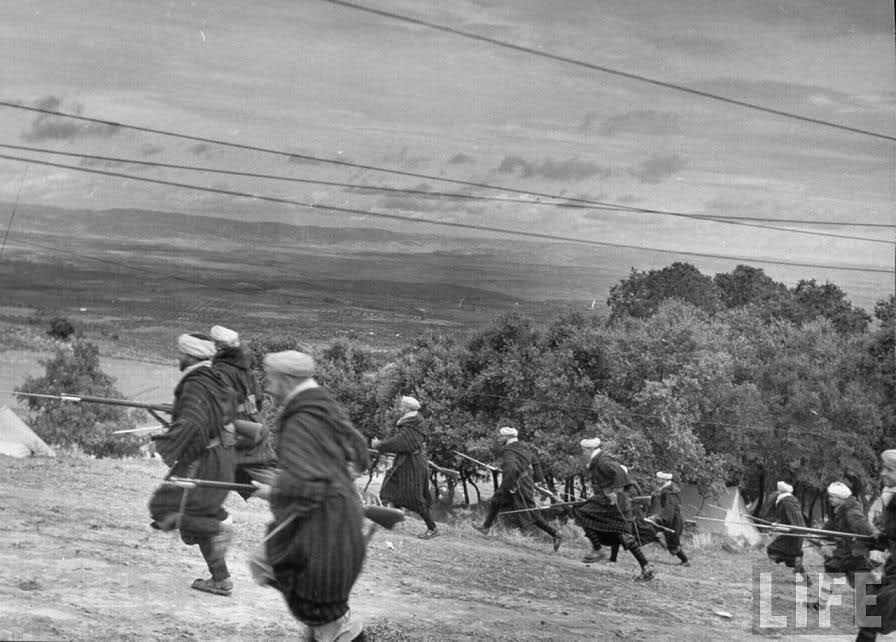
76 369
641 293
60 328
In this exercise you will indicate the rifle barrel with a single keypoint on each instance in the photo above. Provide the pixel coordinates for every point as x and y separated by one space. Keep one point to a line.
161 407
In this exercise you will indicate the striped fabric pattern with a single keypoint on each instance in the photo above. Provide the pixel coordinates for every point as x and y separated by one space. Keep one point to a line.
318 556
406 483
599 513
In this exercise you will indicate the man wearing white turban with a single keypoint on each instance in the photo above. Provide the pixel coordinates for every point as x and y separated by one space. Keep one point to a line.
606 517
198 443
255 458
315 548
517 489
847 557
406 483
786 549
665 510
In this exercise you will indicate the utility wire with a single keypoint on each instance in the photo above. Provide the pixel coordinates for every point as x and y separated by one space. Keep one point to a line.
608 70
416 192
452 224
567 200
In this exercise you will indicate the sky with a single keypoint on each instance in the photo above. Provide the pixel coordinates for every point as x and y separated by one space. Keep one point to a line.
316 78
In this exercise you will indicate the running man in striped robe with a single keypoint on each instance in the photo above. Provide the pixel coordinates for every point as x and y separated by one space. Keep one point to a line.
255 457
606 517
314 549
517 488
406 484
199 444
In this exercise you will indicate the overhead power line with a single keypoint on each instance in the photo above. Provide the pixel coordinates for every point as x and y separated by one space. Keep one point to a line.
568 201
452 224
610 70
429 194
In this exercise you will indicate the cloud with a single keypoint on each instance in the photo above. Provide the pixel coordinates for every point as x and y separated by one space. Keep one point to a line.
657 168
644 121
404 159
49 127
629 198
570 169
200 148
461 159
148 149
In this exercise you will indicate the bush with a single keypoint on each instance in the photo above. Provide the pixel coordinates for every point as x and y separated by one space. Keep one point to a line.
61 328
88 426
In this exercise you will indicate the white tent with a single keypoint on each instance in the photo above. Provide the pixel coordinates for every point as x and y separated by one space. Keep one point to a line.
728 509
17 439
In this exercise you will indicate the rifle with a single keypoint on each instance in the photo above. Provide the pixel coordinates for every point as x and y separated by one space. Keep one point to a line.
478 463
379 515
799 531
557 505
448 472
158 407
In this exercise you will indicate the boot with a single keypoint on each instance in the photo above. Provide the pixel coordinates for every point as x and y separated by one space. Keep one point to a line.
217 587
345 629
482 529
429 534
647 574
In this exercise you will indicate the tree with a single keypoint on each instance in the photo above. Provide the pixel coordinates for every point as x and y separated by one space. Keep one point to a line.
746 285
88 426
641 294
812 301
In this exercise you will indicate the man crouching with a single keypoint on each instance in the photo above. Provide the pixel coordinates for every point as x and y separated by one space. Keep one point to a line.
199 443
314 548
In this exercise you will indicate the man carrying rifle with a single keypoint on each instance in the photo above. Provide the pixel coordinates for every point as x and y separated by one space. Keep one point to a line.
406 484
665 511
607 517
198 443
314 549
847 556
787 549
517 488
255 459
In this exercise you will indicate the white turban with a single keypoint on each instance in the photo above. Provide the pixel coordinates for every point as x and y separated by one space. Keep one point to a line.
664 476
410 403
225 336
888 459
590 443
784 487
196 347
290 362
507 431
624 467
839 489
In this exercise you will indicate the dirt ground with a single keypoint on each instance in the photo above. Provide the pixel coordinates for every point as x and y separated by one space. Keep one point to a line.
78 562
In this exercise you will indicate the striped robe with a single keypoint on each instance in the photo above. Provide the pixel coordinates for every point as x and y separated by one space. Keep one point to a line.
599 513
786 549
196 445
316 557
253 461
517 488
406 483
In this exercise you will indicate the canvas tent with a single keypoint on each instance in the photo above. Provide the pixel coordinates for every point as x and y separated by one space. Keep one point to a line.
17 439
728 508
